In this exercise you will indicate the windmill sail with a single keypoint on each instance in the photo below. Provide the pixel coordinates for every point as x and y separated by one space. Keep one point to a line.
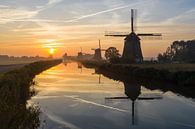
132 52
132 20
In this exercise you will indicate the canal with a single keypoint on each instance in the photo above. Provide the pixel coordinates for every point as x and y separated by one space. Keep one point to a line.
71 96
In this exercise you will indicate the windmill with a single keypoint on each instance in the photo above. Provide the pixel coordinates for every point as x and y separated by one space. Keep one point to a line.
80 66
132 52
98 55
80 54
99 76
133 92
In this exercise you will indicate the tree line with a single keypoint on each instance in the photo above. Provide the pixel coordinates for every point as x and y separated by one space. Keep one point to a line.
179 52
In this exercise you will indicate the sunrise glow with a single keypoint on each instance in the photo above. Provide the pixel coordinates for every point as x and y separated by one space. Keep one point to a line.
32 27
51 51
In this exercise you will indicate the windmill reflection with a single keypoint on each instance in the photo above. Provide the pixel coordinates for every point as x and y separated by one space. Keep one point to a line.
99 76
80 66
133 92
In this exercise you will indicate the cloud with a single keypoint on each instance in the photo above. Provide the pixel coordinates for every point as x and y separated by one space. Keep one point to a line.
3 6
98 13
187 17
51 2
12 14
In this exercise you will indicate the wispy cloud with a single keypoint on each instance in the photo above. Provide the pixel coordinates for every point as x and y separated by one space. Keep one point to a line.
98 13
11 14
183 18
51 2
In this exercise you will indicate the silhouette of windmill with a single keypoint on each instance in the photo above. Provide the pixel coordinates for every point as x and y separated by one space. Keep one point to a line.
98 55
132 52
99 76
133 92
80 54
80 66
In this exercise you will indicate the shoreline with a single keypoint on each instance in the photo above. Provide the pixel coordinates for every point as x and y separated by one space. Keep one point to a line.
180 76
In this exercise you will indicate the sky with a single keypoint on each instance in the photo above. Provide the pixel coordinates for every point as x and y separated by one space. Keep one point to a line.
33 27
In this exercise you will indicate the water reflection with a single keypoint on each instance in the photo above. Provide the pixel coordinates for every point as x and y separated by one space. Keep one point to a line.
73 96
80 66
19 114
133 92
152 85
99 75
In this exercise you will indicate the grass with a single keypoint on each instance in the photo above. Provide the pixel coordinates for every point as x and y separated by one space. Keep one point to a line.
15 90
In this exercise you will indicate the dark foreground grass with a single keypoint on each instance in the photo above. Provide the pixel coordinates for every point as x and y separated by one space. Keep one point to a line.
15 90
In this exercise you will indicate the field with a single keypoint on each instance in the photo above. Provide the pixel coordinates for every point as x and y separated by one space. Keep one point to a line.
10 61
6 68
169 67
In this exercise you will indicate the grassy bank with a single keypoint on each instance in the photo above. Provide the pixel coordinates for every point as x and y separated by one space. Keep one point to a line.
180 74
169 67
15 90
6 68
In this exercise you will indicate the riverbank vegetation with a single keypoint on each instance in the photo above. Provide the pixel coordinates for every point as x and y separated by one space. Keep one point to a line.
15 90
150 84
180 52
181 74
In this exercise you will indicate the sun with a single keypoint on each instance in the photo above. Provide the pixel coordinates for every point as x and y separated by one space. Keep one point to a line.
51 51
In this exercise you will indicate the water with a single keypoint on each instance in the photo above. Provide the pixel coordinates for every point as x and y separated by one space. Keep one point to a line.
73 97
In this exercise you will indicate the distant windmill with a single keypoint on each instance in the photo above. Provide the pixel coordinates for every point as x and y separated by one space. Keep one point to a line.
80 54
80 66
133 92
132 52
98 55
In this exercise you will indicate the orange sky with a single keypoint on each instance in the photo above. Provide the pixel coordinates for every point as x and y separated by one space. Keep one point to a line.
69 39
34 27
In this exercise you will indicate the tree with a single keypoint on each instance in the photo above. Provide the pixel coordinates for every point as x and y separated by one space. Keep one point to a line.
179 51
112 55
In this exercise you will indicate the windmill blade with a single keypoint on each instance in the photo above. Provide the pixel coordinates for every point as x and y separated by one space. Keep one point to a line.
81 49
116 98
149 34
150 98
99 45
116 34
132 20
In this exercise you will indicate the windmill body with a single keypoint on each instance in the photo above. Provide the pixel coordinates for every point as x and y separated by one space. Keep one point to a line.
132 52
98 52
97 55
80 54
